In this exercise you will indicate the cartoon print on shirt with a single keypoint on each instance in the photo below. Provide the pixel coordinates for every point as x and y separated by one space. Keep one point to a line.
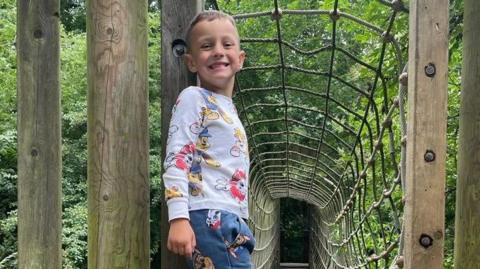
195 127
240 145
236 185
182 159
174 108
212 110
195 179
200 155
202 145
171 130
202 141
214 219
172 192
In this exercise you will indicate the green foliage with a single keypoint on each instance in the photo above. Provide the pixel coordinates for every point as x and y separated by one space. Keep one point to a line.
154 61
73 83
73 15
454 89
294 228
8 136
74 234
8 247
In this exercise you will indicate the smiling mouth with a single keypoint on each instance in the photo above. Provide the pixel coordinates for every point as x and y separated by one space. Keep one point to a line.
218 65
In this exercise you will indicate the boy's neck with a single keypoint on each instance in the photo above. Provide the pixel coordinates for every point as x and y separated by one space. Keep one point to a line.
226 91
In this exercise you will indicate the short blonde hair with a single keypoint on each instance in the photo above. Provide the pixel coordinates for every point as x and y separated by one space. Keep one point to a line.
207 15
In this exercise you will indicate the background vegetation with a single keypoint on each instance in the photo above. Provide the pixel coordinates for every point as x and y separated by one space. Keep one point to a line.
73 85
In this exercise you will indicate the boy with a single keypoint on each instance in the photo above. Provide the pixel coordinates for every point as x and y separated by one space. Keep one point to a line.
207 163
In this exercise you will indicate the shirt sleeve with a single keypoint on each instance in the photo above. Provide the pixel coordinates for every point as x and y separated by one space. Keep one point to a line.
182 135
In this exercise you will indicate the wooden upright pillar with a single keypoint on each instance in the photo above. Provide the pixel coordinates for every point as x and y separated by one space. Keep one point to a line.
426 134
467 217
39 135
176 16
118 140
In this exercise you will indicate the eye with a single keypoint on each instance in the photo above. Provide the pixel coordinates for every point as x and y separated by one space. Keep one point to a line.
206 46
228 44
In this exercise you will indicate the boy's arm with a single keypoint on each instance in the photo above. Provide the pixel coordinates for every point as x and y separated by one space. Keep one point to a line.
179 152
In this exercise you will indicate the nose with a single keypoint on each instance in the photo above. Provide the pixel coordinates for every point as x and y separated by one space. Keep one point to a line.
218 51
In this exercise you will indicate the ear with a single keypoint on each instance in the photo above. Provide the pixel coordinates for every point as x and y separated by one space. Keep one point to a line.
241 58
188 58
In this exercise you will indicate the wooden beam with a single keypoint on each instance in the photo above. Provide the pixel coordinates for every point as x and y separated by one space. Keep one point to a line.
426 134
118 140
467 219
39 135
176 16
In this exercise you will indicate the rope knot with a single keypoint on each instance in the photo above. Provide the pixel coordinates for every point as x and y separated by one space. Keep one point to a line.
277 14
334 14
387 37
397 5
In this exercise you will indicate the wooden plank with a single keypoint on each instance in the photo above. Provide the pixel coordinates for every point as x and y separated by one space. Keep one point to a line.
118 141
286 265
467 219
176 16
39 135
426 134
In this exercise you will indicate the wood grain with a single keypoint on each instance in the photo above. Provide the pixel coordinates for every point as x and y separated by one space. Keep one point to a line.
426 131
39 135
118 140
467 217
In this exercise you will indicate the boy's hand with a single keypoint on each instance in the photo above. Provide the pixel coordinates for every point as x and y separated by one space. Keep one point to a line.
181 239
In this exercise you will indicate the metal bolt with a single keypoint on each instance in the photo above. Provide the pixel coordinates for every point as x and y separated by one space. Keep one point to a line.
426 241
179 47
429 156
430 70
105 197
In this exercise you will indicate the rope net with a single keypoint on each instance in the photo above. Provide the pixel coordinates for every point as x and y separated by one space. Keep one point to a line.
321 102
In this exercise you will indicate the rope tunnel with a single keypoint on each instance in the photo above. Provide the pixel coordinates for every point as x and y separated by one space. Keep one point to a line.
323 109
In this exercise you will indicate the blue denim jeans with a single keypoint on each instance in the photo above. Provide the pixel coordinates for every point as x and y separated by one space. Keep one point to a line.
224 240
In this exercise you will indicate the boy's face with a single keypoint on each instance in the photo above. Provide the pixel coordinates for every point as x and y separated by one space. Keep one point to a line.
215 54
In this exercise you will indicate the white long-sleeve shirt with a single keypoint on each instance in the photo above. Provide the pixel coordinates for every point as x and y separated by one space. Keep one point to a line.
207 162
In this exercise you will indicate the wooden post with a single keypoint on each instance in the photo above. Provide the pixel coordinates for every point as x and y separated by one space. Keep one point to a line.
426 134
176 16
467 219
39 135
118 141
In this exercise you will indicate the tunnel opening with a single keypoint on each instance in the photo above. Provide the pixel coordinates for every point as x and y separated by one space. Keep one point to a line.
294 231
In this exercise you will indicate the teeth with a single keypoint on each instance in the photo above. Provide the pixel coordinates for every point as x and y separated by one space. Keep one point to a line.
218 65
